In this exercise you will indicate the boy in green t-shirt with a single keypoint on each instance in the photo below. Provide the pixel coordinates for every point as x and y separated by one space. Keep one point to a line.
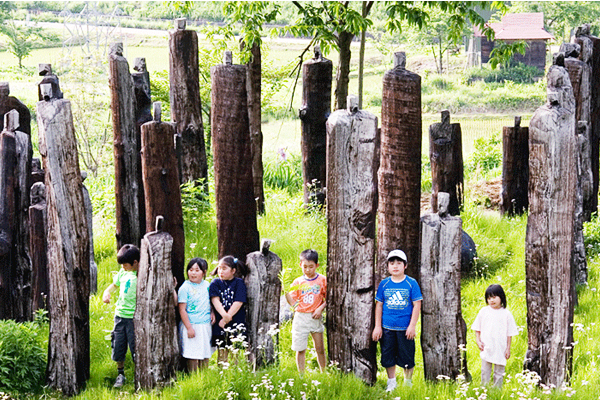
123 333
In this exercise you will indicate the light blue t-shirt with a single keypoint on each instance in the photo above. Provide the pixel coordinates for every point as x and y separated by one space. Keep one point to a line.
397 299
195 295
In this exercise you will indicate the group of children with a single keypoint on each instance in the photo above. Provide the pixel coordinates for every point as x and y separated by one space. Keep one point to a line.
213 315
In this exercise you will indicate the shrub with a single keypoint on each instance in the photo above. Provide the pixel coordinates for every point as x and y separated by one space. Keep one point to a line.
284 172
22 357
487 154
519 73
591 234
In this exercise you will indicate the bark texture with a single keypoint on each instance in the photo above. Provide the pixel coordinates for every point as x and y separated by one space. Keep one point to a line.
515 169
264 290
68 250
342 79
8 103
316 107
161 185
186 107
234 193
38 245
352 163
445 154
156 348
89 217
399 174
549 239
129 190
443 329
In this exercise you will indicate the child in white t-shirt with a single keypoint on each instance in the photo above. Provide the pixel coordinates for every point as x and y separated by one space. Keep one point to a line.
494 328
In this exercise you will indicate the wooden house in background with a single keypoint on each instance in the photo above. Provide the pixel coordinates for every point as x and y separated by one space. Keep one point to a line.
525 26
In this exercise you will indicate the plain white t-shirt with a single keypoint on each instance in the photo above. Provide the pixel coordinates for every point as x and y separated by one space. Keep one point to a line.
495 327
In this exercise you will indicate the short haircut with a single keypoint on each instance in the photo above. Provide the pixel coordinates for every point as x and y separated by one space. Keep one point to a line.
496 290
201 263
310 255
128 254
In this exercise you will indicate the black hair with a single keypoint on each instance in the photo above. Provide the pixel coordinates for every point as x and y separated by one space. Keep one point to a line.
310 255
396 258
241 269
496 290
128 254
202 264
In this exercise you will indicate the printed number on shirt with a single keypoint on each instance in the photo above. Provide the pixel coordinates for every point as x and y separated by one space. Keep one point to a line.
309 299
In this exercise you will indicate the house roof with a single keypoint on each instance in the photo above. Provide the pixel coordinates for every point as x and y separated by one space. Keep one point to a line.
523 26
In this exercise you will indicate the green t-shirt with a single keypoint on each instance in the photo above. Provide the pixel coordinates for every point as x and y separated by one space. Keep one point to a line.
127 283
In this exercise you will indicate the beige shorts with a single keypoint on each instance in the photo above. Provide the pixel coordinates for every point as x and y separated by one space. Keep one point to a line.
303 325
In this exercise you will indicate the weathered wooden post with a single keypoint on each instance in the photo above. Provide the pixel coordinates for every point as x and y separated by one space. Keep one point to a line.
8 103
262 317
445 154
234 193
186 107
590 54
37 173
352 163
316 107
156 348
550 230
141 88
443 329
68 247
515 169
400 170
89 216
129 190
38 245
15 264
161 185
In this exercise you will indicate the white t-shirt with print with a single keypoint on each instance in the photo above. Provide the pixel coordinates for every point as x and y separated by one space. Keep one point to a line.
495 325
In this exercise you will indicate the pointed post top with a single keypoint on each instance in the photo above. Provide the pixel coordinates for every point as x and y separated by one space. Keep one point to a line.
352 103
157 111
445 117
180 24
400 59
159 223
227 58
116 49
139 64
45 69
11 120
517 121
318 54
4 89
46 91
443 203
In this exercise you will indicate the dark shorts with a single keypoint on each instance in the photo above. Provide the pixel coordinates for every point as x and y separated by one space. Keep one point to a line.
233 334
396 349
122 336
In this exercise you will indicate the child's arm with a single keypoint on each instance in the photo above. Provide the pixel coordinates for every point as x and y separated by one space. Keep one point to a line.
377 332
109 290
480 344
235 307
290 299
186 320
411 331
508 342
216 302
318 313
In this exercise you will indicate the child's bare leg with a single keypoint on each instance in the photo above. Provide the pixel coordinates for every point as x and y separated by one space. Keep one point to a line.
202 364
301 360
320 349
408 373
192 365
391 372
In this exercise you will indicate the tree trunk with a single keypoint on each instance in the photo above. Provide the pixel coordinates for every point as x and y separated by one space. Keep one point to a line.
38 227
264 291
253 80
156 348
549 239
129 191
234 193
161 185
342 79
445 153
316 107
68 250
400 171
186 107
353 160
515 169
443 329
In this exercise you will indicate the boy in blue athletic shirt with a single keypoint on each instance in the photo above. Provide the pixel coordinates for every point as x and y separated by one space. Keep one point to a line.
397 309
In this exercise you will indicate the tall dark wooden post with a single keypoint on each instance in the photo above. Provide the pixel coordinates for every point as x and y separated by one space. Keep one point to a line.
400 170
316 107
515 169
8 103
143 97
264 292
234 193
89 216
443 329
156 348
68 246
186 107
549 239
161 185
38 245
352 163
590 54
129 190
445 153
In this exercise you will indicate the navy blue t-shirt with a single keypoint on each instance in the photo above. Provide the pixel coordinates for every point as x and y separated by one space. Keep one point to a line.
397 299
228 292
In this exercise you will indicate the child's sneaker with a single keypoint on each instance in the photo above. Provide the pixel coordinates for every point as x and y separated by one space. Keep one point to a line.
120 381
391 385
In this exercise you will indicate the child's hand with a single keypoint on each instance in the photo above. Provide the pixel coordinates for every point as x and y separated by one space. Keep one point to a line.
481 345
227 318
507 353
377 332
222 323
106 297
191 333
212 318
411 332
317 314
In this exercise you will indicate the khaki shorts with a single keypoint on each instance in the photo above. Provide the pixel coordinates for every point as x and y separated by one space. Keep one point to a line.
303 325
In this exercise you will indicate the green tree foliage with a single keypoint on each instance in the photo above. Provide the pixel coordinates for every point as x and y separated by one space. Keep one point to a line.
503 52
21 38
